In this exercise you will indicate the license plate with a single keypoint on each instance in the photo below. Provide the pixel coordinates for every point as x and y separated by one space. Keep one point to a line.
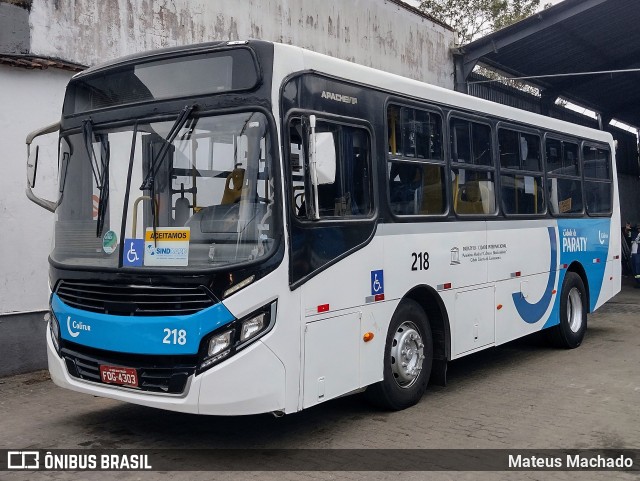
123 376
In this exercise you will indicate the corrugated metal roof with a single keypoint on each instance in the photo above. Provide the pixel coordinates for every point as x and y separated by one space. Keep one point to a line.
574 36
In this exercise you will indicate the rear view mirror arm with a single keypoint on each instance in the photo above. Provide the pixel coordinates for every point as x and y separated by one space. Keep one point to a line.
46 204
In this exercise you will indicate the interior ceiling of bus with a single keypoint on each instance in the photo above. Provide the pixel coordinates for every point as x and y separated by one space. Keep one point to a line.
573 36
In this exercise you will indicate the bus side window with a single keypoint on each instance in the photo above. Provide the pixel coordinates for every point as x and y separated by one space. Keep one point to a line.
472 176
349 194
565 181
598 185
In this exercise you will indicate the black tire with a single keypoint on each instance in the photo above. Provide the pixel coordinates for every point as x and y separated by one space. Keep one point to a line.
404 384
573 314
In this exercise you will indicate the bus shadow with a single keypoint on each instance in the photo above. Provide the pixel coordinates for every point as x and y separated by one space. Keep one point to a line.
131 426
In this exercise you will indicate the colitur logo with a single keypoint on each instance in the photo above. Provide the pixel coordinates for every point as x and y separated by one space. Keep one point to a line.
79 326
603 237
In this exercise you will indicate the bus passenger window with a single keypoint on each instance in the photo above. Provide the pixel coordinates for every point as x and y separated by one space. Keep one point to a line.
416 169
509 146
416 188
598 185
473 191
481 140
564 188
520 173
472 173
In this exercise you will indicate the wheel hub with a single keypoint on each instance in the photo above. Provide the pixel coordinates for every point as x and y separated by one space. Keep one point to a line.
407 354
574 309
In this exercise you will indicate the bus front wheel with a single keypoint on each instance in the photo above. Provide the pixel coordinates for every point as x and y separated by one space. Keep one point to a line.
570 332
408 356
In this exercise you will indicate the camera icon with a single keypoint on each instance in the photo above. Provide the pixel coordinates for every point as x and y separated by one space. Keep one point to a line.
23 460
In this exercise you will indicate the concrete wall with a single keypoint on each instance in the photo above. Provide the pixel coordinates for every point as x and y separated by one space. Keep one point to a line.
376 33
14 27
30 99
22 343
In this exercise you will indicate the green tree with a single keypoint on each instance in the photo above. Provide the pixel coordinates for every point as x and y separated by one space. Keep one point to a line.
474 18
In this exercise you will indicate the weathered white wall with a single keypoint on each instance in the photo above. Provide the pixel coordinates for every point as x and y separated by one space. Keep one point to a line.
376 33
30 99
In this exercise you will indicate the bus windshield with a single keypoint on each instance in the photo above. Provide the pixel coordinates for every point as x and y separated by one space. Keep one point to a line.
202 198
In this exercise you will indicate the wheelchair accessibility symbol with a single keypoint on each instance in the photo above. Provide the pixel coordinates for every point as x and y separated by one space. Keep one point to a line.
377 282
132 252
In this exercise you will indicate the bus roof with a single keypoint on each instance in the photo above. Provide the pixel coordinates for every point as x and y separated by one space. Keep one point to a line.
377 79
404 86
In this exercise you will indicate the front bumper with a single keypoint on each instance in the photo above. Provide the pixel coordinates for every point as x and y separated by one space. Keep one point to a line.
251 382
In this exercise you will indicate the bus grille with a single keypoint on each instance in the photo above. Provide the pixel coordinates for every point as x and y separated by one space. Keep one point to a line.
134 300
155 374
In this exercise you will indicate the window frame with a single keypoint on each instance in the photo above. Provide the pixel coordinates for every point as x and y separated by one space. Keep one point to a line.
493 168
519 129
326 117
401 159
574 140
607 148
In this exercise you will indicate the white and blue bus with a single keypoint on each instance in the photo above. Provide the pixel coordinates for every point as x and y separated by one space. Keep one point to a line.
248 227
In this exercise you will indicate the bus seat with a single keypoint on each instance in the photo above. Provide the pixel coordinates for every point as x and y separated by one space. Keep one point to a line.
487 197
232 194
182 211
469 199
431 191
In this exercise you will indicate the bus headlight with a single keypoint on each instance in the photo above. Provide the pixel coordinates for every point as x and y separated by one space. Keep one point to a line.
252 327
219 343
234 337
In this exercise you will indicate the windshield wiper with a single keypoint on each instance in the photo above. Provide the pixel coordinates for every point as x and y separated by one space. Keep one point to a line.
100 170
149 181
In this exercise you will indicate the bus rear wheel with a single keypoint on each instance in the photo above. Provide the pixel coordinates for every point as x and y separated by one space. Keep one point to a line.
570 332
408 356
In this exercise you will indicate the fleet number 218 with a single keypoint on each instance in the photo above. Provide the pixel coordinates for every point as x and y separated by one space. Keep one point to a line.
175 336
420 261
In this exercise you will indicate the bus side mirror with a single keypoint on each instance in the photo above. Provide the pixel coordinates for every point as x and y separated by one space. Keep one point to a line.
325 158
32 166
322 163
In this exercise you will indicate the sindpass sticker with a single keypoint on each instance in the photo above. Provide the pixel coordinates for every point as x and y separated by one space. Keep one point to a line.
167 246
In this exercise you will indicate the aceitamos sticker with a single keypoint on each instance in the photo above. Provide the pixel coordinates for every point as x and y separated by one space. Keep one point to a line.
166 246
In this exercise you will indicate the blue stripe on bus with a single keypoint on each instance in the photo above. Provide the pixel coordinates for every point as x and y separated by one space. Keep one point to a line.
170 335
583 241
533 312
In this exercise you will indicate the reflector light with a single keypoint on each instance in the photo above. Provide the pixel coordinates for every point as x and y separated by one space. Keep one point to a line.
379 297
323 308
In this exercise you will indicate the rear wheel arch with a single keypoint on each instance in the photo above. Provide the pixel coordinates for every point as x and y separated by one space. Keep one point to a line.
431 302
576 267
